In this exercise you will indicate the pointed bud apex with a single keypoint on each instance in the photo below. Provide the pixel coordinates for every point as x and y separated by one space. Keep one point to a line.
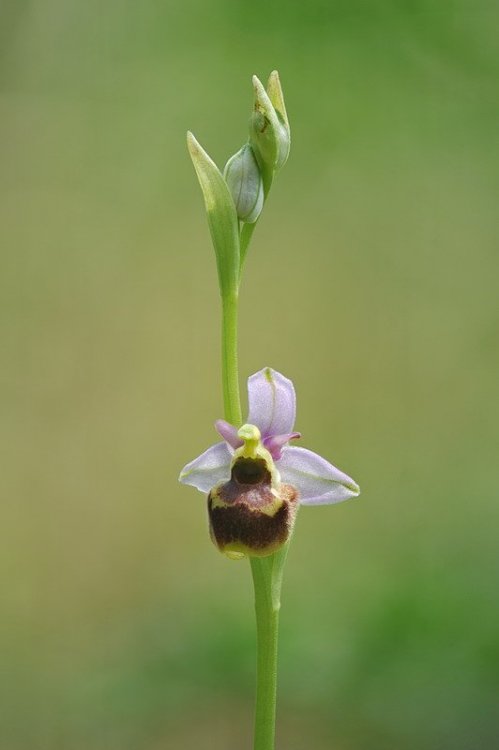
269 128
244 181
276 96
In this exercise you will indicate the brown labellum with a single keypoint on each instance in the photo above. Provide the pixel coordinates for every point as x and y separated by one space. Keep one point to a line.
248 516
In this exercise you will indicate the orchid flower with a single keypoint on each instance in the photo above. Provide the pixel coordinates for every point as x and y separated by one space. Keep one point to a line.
255 480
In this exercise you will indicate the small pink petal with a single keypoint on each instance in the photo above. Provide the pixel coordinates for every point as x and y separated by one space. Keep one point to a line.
275 443
229 433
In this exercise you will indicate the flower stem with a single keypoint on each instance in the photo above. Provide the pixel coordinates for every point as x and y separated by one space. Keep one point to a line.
267 571
248 229
230 374
246 233
267 578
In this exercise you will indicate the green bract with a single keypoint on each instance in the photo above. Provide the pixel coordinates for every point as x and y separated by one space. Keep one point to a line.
222 216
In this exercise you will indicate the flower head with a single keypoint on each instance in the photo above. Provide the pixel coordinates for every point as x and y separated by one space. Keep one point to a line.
255 480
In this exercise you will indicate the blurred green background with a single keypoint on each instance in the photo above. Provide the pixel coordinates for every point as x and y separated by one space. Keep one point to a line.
372 283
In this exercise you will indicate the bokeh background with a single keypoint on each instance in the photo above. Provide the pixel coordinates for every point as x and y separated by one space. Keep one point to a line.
372 282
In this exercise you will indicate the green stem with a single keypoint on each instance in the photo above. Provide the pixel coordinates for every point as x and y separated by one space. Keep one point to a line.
246 234
267 571
230 374
248 229
267 579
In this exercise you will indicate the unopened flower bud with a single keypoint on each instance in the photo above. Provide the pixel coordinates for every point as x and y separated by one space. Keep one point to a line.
269 127
244 181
